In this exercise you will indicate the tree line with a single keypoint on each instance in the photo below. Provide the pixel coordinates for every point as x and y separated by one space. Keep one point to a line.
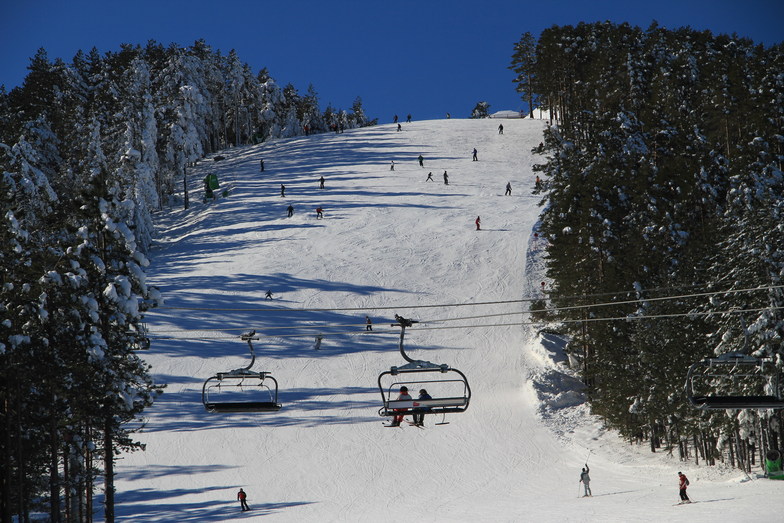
663 202
89 151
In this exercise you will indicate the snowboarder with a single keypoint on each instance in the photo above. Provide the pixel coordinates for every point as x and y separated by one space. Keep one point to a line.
683 482
290 210
501 129
508 189
477 222
419 419
392 166
430 177
268 296
368 323
585 479
241 496
282 191
321 182
446 178
319 213
474 157
403 396
261 164
421 160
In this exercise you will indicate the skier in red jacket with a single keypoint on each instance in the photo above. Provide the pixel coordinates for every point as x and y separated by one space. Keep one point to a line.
683 482
477 222
241 497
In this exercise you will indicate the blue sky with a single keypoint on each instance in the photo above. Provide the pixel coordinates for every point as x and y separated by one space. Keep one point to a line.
425 57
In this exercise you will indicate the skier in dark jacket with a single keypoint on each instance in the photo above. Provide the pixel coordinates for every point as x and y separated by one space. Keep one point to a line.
290 210
446 178
475 159
282 191
421 160
419 416
508 189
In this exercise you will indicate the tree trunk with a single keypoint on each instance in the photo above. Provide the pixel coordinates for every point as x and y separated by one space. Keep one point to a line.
108 470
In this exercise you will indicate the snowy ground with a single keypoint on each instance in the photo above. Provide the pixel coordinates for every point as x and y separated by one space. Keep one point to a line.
388 239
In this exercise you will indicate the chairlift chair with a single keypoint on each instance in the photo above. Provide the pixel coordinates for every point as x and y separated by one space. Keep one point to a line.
449 387
241 390
733 371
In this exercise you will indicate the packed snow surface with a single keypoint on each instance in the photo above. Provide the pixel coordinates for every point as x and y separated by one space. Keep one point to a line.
389 243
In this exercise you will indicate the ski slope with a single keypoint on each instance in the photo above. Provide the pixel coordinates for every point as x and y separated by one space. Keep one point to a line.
389 242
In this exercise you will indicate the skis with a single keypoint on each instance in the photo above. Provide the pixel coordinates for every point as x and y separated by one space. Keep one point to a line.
393 425
685 503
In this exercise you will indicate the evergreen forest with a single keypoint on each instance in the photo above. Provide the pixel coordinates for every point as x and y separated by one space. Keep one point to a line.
89 151
663 212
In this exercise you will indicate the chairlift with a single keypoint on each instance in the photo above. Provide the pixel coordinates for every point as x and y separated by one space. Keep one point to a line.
449 388
734 371
241 390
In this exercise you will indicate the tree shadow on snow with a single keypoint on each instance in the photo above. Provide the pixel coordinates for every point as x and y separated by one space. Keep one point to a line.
144 505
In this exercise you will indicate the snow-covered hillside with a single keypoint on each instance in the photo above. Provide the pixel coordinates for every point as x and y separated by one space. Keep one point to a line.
390 243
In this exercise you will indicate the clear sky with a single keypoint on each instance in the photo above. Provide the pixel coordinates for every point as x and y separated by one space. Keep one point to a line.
425 57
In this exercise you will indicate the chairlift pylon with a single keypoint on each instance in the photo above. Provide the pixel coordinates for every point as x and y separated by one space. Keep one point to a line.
452 393
219 392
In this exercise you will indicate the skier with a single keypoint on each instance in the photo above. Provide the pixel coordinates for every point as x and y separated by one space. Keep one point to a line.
268 296
419 419
290 210
446 178
241 496
392 166
501 129
421 160
321 182
683 482
261 162
477 222
403 396
319 213
408 118
475 158
368 323
399 127
585 479
395 119
508 189
430 177
208 194
282 191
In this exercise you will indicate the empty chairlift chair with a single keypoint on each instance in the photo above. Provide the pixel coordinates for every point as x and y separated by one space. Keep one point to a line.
734 381
241 390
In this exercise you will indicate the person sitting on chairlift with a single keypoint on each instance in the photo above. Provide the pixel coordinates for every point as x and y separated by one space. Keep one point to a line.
404 396
419 416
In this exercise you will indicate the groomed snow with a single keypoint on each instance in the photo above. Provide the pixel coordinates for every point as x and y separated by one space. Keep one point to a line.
388 239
